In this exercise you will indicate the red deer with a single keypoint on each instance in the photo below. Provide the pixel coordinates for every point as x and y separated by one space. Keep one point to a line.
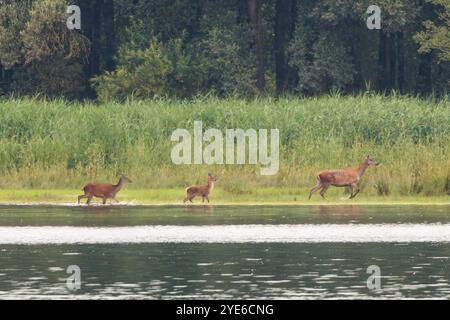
203 191
348 177
103 190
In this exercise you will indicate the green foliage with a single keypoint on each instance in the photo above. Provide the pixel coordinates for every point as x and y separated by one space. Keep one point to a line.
52 77
13 17
58 144
228 70
181 48
140 73
319 51
437 37
395 14
46 34
325 66
44 54
174 69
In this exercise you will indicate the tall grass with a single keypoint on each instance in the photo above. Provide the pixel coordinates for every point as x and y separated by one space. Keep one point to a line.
57 144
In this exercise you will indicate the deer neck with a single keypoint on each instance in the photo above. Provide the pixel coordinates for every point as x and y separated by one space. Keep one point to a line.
119 184
210 185
362 168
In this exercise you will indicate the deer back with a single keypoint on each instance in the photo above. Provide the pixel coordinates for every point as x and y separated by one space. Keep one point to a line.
99 188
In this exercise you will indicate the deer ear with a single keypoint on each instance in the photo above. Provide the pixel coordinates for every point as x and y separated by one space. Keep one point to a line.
368 156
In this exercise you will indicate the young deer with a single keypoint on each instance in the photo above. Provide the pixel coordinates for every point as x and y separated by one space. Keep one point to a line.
103 190
203 191
348 177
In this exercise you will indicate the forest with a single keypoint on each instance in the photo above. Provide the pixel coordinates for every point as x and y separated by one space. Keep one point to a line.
182 49
82 99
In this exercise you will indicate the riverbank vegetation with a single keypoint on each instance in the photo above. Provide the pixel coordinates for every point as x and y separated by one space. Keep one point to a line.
55 144
258 196
82 105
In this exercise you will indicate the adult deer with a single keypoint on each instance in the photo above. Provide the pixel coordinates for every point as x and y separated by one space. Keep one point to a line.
103 190
348 177
203 191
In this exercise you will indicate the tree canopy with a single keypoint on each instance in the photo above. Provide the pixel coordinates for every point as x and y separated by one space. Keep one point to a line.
185 48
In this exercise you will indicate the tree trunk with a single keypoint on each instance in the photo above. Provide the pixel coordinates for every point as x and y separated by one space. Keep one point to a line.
109 32
5 79
242 11
423 83
400 66
96 36
254 10
283 31
1 79
385 62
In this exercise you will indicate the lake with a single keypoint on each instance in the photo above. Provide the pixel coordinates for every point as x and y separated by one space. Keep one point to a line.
225 252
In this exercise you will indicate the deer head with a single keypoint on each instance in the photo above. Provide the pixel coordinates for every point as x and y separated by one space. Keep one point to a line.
371 161
124 178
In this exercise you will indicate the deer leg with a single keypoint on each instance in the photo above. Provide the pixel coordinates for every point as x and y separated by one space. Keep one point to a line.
117 201
314 189
350 190
188 197
324 189
104 200
203 199
81 197
356 192
89 200
207 198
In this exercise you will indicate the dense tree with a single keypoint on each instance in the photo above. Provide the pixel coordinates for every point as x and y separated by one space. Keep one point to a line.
184 48
284 27
254 11
318 50
437 36
42 53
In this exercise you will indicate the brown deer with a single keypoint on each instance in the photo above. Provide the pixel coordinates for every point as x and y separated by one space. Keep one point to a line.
348 177
203 191
103 190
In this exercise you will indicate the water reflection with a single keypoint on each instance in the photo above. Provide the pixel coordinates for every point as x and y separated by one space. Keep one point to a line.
410 267
209 214
206 209
243 271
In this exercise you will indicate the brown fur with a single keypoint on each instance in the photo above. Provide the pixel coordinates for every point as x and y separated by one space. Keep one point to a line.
348 177
203 191
103 190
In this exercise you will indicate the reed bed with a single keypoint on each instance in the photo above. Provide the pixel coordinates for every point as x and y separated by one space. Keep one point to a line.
59 144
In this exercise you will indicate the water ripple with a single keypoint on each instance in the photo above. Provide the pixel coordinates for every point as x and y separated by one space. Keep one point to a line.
256 233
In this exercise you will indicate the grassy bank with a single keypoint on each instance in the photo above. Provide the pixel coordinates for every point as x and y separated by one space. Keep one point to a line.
59 145
260 196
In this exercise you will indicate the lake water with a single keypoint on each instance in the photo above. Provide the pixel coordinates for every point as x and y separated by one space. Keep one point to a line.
230 252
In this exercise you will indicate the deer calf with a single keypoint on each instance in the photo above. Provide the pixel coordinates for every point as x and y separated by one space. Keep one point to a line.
103 190
348 177
203 191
